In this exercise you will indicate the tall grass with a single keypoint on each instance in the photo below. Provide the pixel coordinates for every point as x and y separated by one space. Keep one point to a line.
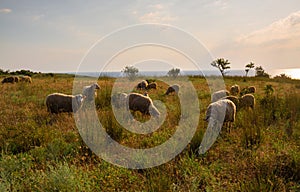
44 152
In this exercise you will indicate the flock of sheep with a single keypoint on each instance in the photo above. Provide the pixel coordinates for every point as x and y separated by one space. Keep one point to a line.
225 104
16 79
223 107
223 101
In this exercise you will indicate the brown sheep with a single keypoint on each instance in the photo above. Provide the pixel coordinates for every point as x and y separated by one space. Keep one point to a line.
58 102
142 85
247 100
235 90
251 89
248 90
234 99
172 89
144 104
10 79
152 85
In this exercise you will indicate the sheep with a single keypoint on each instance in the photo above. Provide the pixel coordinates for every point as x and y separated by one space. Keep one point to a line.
247 100
58 102
152 85
10 79
89 91
119 99
235 90
234 99
17 79
218 95
215 111
172 89
251 89
25 78
142 85
136 102
247 90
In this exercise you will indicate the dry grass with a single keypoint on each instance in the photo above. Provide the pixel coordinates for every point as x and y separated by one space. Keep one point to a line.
44 152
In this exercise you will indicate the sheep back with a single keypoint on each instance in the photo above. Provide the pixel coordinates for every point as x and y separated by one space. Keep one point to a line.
25 78
172 89
152 85
216 109
247 100
144 104
58 102
234 99
10 79
218 95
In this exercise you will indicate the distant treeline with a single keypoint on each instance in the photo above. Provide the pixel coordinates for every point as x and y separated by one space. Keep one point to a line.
23 72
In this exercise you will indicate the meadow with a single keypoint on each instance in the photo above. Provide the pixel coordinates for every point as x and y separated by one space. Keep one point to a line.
40 151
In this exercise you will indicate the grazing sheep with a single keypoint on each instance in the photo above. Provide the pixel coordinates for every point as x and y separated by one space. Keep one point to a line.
89 91
10 79
218 95
58 102
235 90
142 85
25 78
216 109
144 104
17 79
172 89
247 100
247 90
251 89
234 99
152 85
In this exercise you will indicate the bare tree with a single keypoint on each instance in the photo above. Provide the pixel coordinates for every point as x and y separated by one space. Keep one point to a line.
222 65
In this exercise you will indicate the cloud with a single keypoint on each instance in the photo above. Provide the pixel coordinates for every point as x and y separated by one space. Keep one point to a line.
281 32
156 17
38 17
222 4
5 11
157 13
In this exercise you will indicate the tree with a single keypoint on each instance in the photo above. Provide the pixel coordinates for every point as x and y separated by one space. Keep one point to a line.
221 64
248 67
174 72
131 72
260 72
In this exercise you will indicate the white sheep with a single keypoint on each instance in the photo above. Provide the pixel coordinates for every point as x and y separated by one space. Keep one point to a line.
58 102
89 91
25 78
172 89
222 111
235 89
218 95
247 100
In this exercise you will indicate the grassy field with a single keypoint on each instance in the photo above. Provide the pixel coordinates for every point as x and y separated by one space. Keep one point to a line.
44 152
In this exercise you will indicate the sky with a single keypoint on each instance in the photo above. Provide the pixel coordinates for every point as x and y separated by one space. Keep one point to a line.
56 36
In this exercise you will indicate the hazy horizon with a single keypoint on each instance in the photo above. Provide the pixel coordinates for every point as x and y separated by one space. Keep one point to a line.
55 36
